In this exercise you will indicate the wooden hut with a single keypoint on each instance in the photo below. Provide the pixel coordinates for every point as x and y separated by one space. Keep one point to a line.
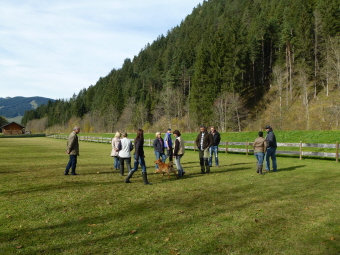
13 128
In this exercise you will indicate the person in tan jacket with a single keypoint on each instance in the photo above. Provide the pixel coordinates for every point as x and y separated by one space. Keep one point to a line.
259 150
72 148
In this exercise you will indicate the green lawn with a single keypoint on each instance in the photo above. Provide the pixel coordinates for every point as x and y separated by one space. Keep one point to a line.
230 211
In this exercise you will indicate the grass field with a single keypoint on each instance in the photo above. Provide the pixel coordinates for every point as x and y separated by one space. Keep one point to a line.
230 211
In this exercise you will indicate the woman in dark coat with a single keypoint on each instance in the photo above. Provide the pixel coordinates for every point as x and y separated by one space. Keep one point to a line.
139 157
158 145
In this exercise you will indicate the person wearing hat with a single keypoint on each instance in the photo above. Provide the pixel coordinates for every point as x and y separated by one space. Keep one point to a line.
168 144
259 149
271 148
203 142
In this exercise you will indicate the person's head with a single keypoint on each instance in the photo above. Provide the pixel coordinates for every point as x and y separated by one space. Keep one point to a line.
158 134
203 128
267 128
140 134
177 133
76 129
117 134
125 134
169 130
260 134
212 129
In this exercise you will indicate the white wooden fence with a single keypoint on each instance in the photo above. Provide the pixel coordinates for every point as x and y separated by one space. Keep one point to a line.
247 146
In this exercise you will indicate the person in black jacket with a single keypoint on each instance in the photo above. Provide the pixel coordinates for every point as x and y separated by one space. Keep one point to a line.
271 149
214 148
203 142
139 158
158 145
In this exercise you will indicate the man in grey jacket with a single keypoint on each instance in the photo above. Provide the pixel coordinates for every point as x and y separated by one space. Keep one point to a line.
72 149
271 149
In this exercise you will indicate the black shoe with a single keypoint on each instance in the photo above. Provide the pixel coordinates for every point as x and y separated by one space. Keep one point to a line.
65 173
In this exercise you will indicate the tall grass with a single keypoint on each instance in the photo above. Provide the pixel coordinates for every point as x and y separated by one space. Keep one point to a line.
230 211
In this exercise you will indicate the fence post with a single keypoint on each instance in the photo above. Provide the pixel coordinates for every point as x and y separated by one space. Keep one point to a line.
300 150
226 147
337 152
247 148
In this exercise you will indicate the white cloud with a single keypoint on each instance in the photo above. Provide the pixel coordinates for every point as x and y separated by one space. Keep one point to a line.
56 48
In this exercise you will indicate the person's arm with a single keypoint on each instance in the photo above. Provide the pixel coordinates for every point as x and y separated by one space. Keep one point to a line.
176 147
211 138
70 143
218 138
269 140
137 145
254 143
166 141
197 141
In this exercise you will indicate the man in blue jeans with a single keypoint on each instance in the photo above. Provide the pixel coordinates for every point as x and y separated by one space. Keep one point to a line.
214 148
271 148
72 149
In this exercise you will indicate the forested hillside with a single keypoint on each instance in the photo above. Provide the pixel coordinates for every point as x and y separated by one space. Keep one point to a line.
233 64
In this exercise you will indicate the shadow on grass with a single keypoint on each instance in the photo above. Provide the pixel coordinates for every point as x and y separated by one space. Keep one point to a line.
291 168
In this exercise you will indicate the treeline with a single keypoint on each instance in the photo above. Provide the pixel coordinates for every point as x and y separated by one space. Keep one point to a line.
223 65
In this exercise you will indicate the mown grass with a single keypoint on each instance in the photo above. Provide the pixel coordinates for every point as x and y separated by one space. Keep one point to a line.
230 211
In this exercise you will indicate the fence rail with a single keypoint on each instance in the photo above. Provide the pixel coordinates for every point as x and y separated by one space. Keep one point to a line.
224 146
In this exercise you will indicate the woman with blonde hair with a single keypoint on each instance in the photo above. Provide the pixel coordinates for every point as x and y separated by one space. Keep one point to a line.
114 152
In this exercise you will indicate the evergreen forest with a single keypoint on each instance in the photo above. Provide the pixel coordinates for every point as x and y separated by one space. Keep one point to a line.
234 64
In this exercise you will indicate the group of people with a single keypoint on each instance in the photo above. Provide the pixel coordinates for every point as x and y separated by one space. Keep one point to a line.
207 144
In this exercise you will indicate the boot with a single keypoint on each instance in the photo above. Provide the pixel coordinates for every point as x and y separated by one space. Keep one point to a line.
257 168
207 167
127 180
122 170
202 170
260 169
180 173
145 178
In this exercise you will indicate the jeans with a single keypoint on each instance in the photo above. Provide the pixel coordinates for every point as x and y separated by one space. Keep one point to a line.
178 165
158 156
72 163
140 161
259 156
213 150
116 162
271 153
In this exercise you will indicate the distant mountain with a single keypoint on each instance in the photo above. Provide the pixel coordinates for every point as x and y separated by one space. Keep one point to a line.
13 108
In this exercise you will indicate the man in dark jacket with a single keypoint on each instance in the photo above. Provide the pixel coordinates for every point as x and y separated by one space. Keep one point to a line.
203 142
214 148
271 148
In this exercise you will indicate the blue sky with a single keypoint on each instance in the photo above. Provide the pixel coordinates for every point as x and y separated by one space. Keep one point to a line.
55 48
